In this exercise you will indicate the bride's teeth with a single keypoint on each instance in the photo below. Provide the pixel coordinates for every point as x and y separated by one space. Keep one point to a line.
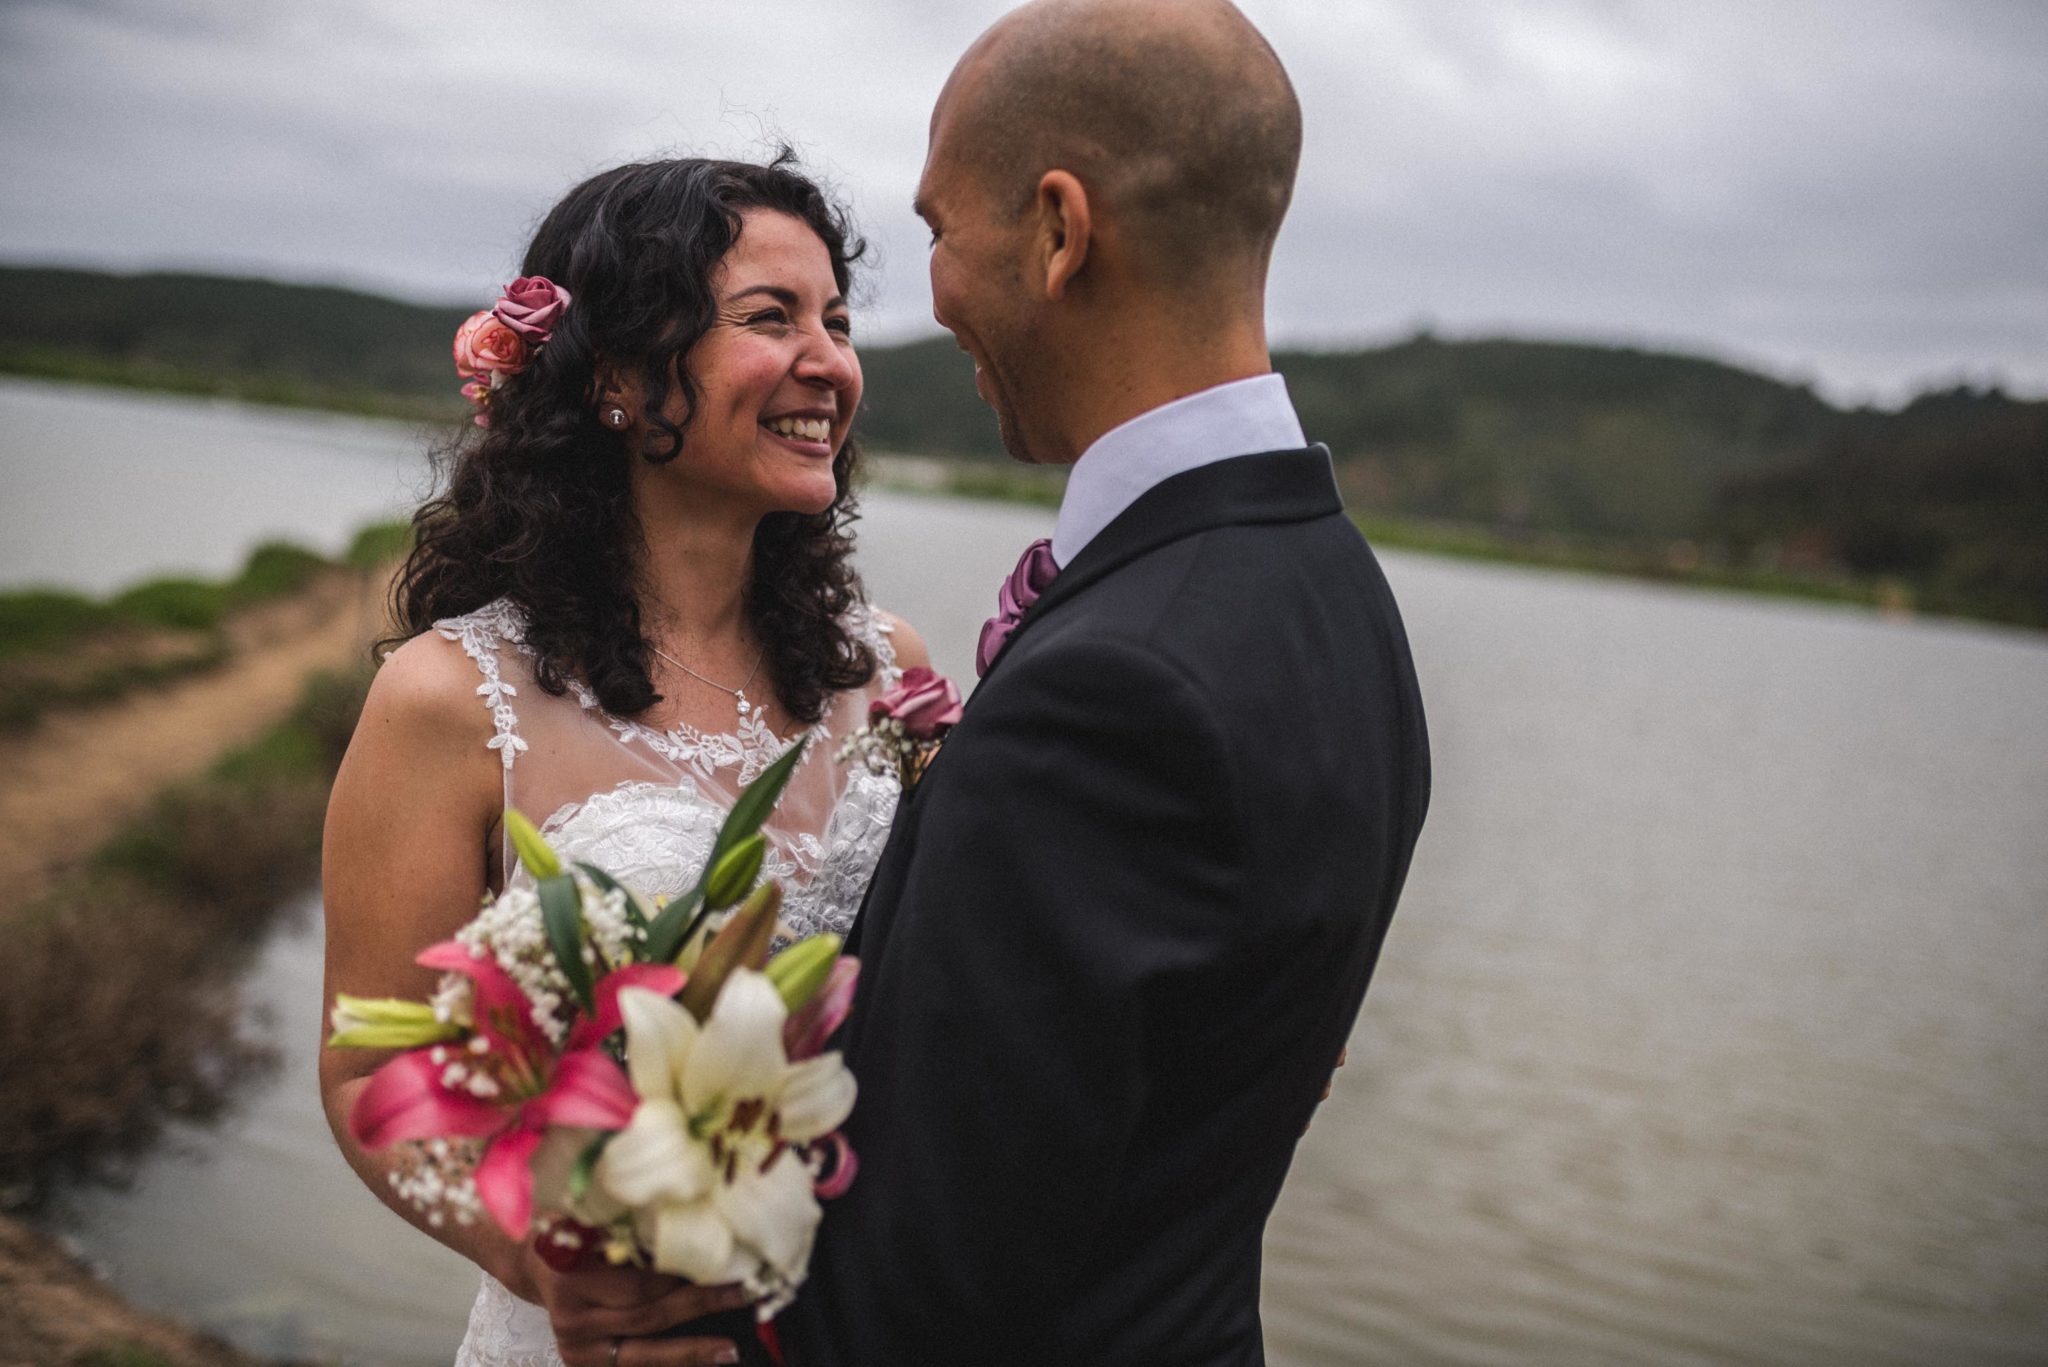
803 429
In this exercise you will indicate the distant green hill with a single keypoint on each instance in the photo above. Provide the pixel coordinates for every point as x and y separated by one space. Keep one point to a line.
302 344
1599 446
1949 494
1597 441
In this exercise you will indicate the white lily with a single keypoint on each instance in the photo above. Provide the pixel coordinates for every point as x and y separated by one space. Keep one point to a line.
712 1163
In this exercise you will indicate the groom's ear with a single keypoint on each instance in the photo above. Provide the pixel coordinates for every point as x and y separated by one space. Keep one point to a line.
1065 230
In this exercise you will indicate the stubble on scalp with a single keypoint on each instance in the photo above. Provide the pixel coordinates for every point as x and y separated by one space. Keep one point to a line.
1175 115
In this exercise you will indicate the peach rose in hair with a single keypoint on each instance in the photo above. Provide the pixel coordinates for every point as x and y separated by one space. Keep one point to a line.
485 346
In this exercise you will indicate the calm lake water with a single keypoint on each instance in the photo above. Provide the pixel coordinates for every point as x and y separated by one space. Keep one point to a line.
1713 1027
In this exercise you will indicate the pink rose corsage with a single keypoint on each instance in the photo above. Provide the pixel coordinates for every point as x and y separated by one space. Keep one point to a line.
906 726
500 341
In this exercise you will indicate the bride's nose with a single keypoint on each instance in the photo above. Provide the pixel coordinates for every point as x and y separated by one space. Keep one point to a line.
827 362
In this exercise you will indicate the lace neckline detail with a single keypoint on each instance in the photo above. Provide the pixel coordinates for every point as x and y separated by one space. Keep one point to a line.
749 749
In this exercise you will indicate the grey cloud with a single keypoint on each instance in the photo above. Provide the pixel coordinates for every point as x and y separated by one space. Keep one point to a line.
1843 189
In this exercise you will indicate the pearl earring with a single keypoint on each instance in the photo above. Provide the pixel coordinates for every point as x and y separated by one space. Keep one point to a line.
615 416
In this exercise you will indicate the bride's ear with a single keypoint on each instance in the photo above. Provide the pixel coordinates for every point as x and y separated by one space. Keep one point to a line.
610 400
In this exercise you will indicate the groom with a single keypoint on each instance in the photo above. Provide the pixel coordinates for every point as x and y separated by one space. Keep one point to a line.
1125 922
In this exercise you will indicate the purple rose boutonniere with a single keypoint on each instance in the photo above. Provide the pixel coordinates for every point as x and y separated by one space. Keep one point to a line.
906 726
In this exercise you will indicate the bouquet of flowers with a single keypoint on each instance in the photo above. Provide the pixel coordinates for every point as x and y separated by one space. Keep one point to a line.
634 1078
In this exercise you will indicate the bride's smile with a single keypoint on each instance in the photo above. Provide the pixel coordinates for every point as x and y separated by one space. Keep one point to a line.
777 376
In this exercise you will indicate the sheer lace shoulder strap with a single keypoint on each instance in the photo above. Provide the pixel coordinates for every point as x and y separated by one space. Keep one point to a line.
482 634
875 629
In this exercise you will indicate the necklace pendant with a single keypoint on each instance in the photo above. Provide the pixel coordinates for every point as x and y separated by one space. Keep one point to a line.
740 698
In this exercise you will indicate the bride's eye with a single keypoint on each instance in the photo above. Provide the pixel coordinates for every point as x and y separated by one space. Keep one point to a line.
841 324
775 316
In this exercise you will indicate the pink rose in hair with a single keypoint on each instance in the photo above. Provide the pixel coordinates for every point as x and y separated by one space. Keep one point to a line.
531 306
926 703
485 346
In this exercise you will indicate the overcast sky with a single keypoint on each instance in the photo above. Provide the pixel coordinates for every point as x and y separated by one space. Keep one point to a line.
1853 192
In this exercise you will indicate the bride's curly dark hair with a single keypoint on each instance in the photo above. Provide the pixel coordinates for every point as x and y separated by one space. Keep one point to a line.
537 507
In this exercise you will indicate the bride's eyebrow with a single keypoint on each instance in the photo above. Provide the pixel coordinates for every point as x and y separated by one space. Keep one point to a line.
786 298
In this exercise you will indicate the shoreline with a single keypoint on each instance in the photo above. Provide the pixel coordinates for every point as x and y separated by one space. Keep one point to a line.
184 807
1680 563
55 1309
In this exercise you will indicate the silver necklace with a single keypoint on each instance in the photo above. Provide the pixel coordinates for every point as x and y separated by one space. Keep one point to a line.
739 695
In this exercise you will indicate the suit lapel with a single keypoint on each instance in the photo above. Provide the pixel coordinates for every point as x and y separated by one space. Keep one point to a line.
1279 486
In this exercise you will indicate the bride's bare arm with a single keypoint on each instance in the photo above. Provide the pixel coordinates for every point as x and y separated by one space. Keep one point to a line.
403 865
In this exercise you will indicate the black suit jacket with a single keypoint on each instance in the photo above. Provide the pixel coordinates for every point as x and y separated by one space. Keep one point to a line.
1117 939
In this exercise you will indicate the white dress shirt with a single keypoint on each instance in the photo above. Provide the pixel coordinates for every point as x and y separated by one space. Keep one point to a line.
1241 418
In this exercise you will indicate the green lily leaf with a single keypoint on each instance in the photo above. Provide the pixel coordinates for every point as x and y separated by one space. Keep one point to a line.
561 909
750 813
747 817
671 930
680 919
541 861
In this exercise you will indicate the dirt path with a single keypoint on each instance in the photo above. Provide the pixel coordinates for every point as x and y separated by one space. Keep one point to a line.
66 786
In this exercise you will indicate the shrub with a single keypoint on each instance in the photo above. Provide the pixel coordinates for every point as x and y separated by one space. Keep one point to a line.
180 604
378 545
39 619
277 568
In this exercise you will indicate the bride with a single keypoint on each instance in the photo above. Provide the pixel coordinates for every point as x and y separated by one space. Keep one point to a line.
633 594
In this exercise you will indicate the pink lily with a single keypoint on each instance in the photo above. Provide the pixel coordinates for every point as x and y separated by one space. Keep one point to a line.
507 1086
805 1032
804 1036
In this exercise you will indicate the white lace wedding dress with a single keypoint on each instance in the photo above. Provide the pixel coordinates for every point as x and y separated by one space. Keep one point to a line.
645 805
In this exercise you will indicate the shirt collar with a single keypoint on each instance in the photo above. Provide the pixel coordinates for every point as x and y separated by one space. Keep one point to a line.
1240 418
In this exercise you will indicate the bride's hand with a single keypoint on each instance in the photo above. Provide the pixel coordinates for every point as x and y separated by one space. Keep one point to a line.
593 1308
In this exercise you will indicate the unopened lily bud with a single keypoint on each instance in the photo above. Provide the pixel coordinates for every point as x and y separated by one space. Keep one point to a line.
386 1023
742 943
533 851
799 971
734 874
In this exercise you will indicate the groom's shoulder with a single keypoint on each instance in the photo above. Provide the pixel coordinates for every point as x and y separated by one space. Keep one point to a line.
1242 616
1240 577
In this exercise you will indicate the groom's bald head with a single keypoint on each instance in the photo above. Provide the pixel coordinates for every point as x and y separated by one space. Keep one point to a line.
1175 114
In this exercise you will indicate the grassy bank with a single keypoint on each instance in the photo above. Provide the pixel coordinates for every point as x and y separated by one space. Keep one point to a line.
276 390
55 1313
118 1006
64 650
